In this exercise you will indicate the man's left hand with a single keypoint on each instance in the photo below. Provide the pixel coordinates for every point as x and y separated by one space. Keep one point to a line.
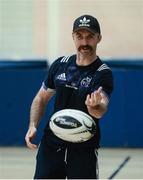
97 103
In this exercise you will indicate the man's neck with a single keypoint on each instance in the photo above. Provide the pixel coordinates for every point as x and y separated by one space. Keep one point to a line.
83 60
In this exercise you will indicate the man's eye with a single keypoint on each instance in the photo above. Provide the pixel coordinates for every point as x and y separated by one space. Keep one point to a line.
79 37
90 37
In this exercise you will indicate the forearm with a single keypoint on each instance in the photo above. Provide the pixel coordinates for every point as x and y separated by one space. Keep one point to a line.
37 111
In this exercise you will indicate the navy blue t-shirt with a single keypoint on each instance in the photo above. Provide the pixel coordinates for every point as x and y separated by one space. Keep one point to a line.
72 83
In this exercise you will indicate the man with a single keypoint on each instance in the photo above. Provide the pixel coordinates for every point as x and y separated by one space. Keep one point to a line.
81 82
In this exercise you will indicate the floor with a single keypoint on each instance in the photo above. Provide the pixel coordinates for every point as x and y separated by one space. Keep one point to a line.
19 163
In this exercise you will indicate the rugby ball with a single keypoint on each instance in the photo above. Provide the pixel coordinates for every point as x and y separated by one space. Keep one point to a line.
72 125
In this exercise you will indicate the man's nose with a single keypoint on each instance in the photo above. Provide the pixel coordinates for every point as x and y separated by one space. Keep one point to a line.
84 42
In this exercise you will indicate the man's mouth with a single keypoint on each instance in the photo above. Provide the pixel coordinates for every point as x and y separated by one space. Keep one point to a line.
85 48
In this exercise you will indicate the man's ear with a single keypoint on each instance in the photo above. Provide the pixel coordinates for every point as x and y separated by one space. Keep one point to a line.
73 36
99 38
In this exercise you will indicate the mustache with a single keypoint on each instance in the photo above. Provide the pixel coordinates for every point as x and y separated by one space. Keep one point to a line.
85 47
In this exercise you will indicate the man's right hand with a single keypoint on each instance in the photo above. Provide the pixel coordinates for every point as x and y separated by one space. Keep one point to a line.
29 137
36 113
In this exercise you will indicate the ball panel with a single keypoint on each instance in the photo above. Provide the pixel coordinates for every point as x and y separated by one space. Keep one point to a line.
75 138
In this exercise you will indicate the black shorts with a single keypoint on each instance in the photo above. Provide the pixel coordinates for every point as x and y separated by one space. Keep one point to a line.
70 163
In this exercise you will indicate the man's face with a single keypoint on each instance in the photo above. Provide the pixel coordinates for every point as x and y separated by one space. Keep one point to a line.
86 41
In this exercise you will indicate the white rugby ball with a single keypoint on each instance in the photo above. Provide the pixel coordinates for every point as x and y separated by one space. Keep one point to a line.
72 125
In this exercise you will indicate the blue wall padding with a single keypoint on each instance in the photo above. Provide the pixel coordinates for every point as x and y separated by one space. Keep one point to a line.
19 84
121 126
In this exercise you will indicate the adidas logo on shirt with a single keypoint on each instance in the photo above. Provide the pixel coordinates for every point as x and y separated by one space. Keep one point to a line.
62 77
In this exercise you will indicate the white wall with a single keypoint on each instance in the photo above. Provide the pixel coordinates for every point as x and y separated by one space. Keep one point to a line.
15 28
42 28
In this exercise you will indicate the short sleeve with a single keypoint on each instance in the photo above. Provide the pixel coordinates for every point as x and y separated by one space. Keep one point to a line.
106 81
49 79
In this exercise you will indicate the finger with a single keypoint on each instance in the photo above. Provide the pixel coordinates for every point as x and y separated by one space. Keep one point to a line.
32 146
92 99
97 98
99 89
96 94
87 101
29 144
105 98
29 136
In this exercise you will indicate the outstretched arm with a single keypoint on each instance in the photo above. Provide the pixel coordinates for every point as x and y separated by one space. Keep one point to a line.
97 103
36 113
